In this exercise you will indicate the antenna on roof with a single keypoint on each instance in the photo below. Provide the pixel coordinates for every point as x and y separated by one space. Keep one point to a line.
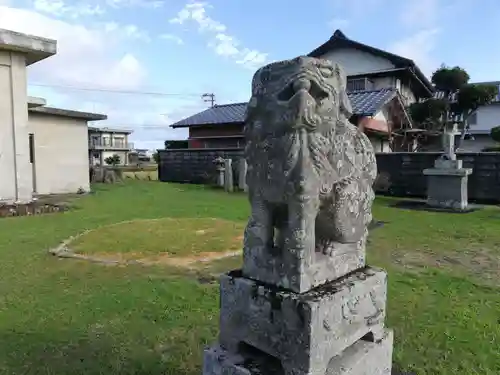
209 97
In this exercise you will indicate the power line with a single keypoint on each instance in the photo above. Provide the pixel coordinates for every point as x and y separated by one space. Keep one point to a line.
129 92
120 125
211 98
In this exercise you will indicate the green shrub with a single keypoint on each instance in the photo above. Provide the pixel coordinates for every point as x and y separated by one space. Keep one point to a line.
495 133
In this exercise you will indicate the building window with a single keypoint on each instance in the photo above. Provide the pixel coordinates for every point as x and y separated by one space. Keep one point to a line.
359 84
32 147
94 140
472 120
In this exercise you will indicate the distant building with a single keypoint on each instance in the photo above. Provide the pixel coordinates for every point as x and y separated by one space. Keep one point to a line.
139 155
479 125
105 142
43 150
380 85
481 122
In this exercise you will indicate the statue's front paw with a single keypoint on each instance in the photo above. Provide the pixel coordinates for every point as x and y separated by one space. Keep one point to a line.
330 250
327 248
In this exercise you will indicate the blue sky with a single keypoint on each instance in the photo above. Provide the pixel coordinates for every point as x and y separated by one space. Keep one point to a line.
173 51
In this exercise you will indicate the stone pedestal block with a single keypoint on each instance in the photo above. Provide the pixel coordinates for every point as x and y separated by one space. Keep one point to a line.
228 175
242 175
300 274
447 184
303 331
362 358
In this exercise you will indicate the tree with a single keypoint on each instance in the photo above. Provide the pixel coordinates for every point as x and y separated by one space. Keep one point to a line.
113 160
156 157
495 133
458 101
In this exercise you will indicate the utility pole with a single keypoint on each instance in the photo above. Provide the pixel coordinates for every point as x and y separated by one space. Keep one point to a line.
209 97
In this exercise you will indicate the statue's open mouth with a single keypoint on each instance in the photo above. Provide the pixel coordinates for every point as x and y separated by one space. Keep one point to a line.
302 85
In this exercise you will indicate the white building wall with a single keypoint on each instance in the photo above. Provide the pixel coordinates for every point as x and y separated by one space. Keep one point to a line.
480 142
61 153
15 169
487 117
380 144
358 62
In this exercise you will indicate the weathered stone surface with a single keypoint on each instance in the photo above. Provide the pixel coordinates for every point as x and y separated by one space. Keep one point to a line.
362 358
294 273
304 331
242 175
107 175
310 175
447 191
447 184
365 358
304 302
219 166
228 175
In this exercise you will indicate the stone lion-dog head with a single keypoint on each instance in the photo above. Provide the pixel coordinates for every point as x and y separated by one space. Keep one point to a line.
297 107
302 93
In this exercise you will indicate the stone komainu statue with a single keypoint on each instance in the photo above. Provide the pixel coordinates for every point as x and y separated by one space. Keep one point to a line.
310 171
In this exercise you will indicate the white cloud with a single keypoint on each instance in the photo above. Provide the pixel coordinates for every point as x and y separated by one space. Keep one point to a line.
60 8
338 23
220 40
128 32
421 13
419 48
96 56
85 8
197 12
355 7
425 20
224 45
135 3
86 56
173 38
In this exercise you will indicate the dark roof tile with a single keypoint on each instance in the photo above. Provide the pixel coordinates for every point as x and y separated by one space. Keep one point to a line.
368 103
219 114
364 103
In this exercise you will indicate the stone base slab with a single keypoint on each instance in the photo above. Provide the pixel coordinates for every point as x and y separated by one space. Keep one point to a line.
362 358
365 358
447 191
303 331
301 275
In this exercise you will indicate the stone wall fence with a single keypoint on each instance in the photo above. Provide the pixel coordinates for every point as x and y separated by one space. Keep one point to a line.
400 173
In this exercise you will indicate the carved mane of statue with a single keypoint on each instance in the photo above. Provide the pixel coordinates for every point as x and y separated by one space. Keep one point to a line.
310 171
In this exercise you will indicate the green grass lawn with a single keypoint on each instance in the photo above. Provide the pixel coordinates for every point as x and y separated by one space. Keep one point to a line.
63 316
179 237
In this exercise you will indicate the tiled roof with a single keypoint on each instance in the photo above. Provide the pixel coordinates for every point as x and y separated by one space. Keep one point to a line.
219 114
368 103
364 103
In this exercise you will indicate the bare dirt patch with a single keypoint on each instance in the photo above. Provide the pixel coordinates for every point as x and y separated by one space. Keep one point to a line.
41 204
480 263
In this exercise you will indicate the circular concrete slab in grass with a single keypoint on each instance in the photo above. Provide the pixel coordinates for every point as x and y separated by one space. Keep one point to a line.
172 241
